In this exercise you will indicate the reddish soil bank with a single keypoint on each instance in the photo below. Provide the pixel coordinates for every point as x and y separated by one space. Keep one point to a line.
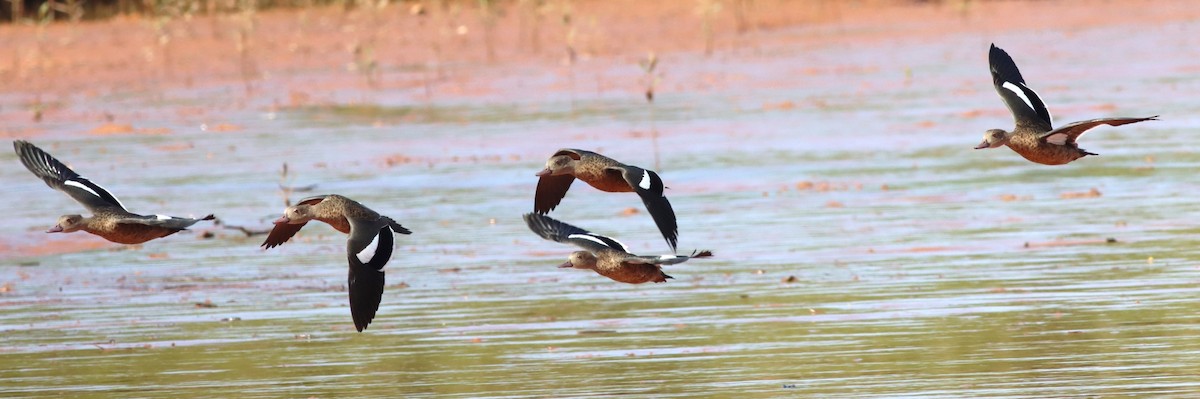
47 68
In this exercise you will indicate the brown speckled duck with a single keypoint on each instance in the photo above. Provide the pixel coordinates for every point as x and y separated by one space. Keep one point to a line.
1034 137
606 256
605 174
369 246
109 219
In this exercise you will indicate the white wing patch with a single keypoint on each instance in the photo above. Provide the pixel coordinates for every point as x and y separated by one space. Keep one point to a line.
162 217
589 238
668 257
597 240
1020 93
73 183
368 253
1057 139
645 183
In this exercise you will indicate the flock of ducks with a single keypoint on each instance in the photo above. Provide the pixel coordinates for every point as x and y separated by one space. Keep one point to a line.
370 235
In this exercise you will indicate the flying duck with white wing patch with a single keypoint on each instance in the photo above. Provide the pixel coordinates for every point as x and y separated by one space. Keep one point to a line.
606 256
1034 136
605 174
368 248
110 220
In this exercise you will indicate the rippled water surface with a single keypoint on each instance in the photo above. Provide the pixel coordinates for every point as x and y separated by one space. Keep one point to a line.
863 248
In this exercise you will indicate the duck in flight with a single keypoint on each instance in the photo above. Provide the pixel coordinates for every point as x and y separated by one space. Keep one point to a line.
605 174
1034 136
110 220
604 255
368 247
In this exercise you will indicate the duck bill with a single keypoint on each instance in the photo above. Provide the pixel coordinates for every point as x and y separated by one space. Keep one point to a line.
282 220
543 172
566 265
982 145
55 229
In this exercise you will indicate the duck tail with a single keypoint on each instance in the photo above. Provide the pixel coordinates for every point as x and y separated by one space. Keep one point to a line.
701 254
209 217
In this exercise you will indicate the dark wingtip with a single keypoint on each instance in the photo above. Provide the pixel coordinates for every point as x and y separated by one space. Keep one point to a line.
1003 67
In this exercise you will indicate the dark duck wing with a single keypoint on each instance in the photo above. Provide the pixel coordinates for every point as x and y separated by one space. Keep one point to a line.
551 189
164 221
554 230
667 259
59 177
650 187
1026 106
1069 133
282 232
396 227
369 248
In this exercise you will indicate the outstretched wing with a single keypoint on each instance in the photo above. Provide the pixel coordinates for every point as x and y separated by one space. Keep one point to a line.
1071 132
667 259
368 252
552 189
1026 106
170 222
283 232
650 187
59 177
554 230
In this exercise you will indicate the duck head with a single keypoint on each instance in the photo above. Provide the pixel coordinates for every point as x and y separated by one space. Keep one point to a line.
994 138
67 224
298 214
580 260
558 165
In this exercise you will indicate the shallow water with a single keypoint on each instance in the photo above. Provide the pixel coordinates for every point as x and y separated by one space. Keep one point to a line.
863 249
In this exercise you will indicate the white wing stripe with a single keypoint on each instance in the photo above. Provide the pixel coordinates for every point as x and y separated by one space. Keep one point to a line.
73 183
368 253
1016 90
589 238
596 239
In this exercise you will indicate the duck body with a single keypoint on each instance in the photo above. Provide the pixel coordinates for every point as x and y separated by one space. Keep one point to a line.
614 265
608 175
1034 136
596 170
136 229
606 256
369 245
1030 147
110 220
